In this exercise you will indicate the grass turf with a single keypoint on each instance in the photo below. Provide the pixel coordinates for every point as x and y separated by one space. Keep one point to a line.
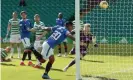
109 64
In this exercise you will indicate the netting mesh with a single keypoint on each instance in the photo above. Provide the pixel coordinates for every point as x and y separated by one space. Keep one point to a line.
113 29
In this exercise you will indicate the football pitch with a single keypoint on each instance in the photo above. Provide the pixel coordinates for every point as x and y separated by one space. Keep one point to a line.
102 63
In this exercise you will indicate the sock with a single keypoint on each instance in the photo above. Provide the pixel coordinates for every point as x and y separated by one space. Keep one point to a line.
12 51
59 48
71 63
65 46
24 56
38 63
29 55
37 54
19 51
48 67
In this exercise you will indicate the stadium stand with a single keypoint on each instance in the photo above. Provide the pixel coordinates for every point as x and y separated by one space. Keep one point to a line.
48 10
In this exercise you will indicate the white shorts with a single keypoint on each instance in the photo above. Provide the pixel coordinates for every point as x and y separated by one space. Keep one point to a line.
26 42
47 51
37 44
15 38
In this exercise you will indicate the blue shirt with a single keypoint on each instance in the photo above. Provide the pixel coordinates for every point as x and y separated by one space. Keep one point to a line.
59 35
60 22
24 26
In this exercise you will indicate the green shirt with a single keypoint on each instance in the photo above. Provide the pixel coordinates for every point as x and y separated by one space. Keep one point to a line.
14 26
40 31
3 53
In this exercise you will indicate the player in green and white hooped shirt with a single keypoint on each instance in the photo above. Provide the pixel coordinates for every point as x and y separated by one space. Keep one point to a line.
40 36
4 54
13 28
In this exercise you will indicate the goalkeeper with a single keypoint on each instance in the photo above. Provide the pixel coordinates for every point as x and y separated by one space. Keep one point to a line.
85 38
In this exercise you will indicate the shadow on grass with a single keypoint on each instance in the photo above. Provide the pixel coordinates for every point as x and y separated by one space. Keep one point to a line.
97 77
5 64
88 60
52 79
54 69
70 75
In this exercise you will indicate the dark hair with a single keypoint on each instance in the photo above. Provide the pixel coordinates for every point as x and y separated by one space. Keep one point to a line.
22 12
68 23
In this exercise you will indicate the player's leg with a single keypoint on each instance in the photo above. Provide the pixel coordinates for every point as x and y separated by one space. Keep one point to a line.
48 67
72 63
24 53
26 43
19 50
27 40
37 46
37 54
12 43
47 53
72 52
69 65
65 47
18 41
12 49
24 57
59 49
82 53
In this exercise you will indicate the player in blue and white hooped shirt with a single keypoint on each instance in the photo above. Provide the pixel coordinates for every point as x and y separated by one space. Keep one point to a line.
58 35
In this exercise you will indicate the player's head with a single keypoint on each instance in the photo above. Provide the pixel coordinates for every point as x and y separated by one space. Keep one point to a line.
8 49
69 25
37 17
23 14
14 14
60 15
87 28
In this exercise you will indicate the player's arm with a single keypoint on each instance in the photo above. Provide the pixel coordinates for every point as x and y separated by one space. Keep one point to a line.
94 41
30 27
70 36
73 32
8 28
41 27
44 33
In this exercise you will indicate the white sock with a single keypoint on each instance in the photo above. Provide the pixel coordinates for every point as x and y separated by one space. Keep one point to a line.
19 51
38 63
12 51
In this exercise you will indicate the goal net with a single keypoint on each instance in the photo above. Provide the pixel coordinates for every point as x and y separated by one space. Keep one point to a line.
112 27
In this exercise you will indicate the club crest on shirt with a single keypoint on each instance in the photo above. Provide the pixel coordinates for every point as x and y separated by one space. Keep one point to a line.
20 24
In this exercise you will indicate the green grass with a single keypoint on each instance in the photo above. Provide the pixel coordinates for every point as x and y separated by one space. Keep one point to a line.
109 64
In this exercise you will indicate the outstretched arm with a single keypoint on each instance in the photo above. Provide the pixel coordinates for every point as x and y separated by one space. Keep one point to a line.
70 36
41 27
94 41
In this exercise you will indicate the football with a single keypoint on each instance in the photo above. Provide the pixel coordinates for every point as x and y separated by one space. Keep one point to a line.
104 4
